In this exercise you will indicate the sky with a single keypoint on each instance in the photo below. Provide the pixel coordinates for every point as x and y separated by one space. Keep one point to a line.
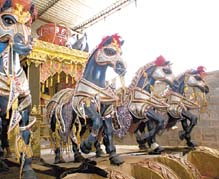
185 32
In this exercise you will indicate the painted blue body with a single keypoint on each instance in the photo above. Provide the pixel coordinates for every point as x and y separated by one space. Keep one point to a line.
96 73
187 119
93 75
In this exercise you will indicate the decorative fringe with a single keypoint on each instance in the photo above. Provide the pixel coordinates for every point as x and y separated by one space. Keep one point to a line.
66 79
58 78
75 68
47 83
43 88
51 81
72 80
7 115
15 105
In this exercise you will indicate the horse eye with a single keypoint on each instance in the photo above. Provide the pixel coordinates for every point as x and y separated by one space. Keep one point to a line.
109 51
167 70
198 78
8 20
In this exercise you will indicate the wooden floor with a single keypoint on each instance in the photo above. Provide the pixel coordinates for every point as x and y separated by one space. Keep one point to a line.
45 168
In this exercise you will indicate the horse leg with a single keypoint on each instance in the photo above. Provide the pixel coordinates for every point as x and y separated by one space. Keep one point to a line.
55 139
77 155
3 105
97 143
3 165
97 122
186 134
99 151
155 124
5 141
108 142
139 134
86 145
26 152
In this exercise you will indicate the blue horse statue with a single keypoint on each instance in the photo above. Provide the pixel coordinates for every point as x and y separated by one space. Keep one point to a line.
77 43
92 102
187 92
143 104
15 98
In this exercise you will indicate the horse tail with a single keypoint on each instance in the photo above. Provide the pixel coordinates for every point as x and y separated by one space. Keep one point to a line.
57 111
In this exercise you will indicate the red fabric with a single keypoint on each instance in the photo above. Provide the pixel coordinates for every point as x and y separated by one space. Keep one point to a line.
115 37
201 71
160 61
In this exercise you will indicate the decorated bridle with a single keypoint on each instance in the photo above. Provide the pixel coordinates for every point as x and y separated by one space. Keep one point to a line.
19 15
109 54
194 95
190 96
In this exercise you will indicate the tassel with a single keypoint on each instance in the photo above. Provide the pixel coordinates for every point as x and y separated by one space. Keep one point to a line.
75 69
72 80
43 88
51 82
66 79
15 105
47 83
78 133
58 77
7 115
71 70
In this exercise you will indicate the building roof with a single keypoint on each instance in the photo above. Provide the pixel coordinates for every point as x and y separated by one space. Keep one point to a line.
76 14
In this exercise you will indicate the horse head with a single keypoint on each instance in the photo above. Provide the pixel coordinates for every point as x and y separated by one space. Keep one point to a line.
15 19
78 43
192 88
195 78
162 70
107 54
156 71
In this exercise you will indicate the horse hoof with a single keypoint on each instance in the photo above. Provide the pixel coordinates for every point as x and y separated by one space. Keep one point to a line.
84 148
78 157
3 166
29 174
59 160
192 144
142 147
116 160
182 135
99 153
157 151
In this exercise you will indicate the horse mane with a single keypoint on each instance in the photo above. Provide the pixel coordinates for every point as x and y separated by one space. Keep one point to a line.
183 74
139 73
180 79
180 76
91 54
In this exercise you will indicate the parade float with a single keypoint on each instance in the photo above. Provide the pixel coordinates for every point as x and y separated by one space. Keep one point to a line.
71 97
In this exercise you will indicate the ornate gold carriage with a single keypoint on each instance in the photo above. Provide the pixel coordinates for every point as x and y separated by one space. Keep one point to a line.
49 69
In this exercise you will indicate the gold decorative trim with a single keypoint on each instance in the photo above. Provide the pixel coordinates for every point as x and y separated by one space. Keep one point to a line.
209 151
43 51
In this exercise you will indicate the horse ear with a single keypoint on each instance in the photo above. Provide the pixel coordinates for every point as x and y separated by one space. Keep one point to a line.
85 35
122 42
5 4
108 41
